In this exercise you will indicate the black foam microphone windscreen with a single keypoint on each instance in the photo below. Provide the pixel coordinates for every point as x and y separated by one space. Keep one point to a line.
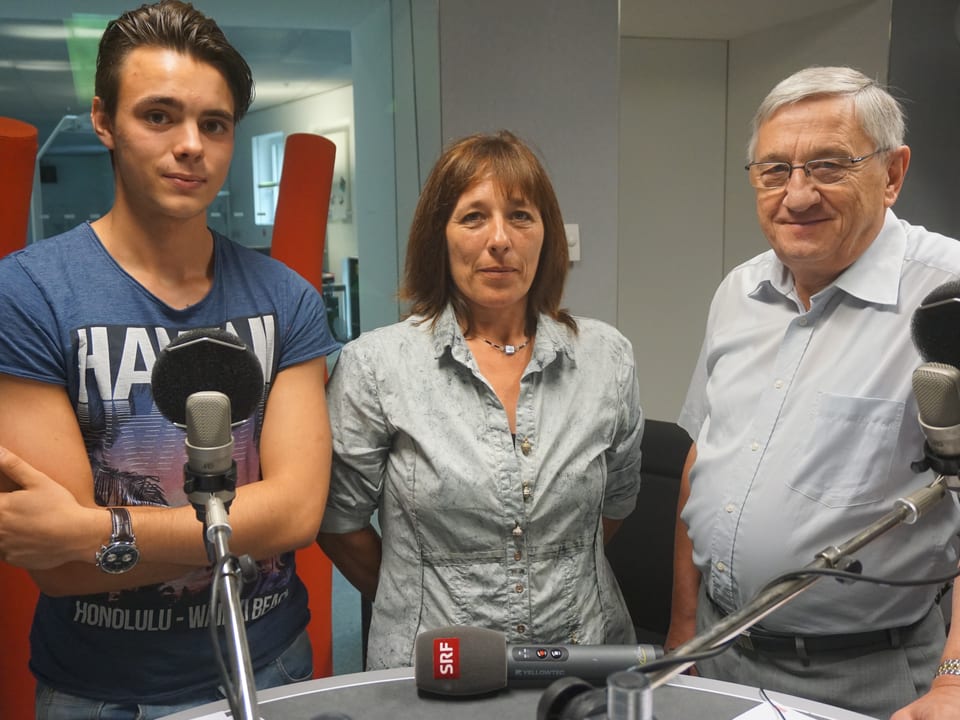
935 326
206 359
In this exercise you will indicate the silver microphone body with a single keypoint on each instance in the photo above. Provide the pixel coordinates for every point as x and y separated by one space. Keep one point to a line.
209 439
937 390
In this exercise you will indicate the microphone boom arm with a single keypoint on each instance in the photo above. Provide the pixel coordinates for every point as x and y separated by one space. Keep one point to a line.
906 511
229 568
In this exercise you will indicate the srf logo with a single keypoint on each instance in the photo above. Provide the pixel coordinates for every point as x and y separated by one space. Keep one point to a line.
446 658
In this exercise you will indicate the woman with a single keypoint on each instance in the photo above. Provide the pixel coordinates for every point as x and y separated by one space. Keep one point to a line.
498 437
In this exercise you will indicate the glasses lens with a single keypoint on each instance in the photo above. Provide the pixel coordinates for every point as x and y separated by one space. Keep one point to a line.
769 175
827 172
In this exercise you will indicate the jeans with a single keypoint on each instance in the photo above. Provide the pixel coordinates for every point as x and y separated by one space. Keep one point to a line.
294 664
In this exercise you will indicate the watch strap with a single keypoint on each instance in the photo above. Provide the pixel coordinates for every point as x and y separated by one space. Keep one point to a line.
122 524
950 666
120 554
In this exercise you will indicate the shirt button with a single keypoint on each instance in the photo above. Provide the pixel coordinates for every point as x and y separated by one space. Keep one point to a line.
778 384
519 587
721 566
803 322
755 446
526 446
517 531
521 628
517 555
730 508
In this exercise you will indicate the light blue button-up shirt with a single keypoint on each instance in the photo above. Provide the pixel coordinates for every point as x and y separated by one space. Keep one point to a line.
480 528
806 424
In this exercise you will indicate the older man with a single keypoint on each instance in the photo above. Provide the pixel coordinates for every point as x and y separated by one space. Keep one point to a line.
803 416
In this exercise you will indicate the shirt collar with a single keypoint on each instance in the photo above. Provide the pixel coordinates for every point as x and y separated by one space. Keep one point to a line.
874 277
553 339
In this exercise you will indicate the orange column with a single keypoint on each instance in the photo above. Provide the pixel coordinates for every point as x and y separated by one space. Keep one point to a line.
18 154
300 224
18 594
299 233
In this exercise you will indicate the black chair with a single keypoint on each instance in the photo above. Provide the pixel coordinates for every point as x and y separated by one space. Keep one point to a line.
641 553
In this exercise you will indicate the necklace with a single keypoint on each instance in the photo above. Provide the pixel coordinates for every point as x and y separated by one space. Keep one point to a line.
507 349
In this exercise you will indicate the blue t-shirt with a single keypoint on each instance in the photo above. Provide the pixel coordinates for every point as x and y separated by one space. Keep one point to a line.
73 317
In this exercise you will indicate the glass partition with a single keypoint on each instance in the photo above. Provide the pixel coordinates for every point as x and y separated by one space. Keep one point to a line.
343 70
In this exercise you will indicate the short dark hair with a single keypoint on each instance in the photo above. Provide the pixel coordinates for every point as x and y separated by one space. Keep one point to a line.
177 26
428 283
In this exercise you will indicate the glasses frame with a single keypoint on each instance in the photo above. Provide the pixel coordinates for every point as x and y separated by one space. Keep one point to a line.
854 161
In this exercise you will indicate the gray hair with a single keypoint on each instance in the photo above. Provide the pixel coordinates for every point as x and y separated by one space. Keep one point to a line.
880 114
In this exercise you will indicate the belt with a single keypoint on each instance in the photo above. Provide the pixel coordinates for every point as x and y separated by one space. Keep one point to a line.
760 640
757 639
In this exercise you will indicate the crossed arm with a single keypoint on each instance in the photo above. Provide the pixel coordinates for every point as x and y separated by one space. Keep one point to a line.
50 523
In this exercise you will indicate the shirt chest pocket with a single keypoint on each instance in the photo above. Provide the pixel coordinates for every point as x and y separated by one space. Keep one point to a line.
846 458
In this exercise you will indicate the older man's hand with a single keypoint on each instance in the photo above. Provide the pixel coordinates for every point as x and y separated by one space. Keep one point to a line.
941 703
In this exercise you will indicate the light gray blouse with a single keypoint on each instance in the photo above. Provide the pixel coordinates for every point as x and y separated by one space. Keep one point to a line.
480 528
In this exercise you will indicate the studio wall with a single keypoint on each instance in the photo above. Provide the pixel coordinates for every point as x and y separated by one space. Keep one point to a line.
925 73
547 70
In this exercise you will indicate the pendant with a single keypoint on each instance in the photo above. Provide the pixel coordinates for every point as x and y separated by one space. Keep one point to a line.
509 349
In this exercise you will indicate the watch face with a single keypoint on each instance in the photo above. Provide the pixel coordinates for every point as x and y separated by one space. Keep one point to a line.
118 557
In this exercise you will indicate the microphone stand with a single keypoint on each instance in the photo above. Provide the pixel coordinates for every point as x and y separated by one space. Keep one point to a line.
212 510
906 510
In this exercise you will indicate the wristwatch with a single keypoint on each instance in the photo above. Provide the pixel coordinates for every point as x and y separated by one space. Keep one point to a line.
120 554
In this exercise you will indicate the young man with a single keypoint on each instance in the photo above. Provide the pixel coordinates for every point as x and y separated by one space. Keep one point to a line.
803 415
85 316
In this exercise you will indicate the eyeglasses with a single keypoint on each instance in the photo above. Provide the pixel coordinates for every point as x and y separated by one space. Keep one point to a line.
824 171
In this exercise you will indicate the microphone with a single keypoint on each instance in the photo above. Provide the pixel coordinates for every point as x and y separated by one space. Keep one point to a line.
210 467
935 323
206 359
937 389
476 661
206 380
936 383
